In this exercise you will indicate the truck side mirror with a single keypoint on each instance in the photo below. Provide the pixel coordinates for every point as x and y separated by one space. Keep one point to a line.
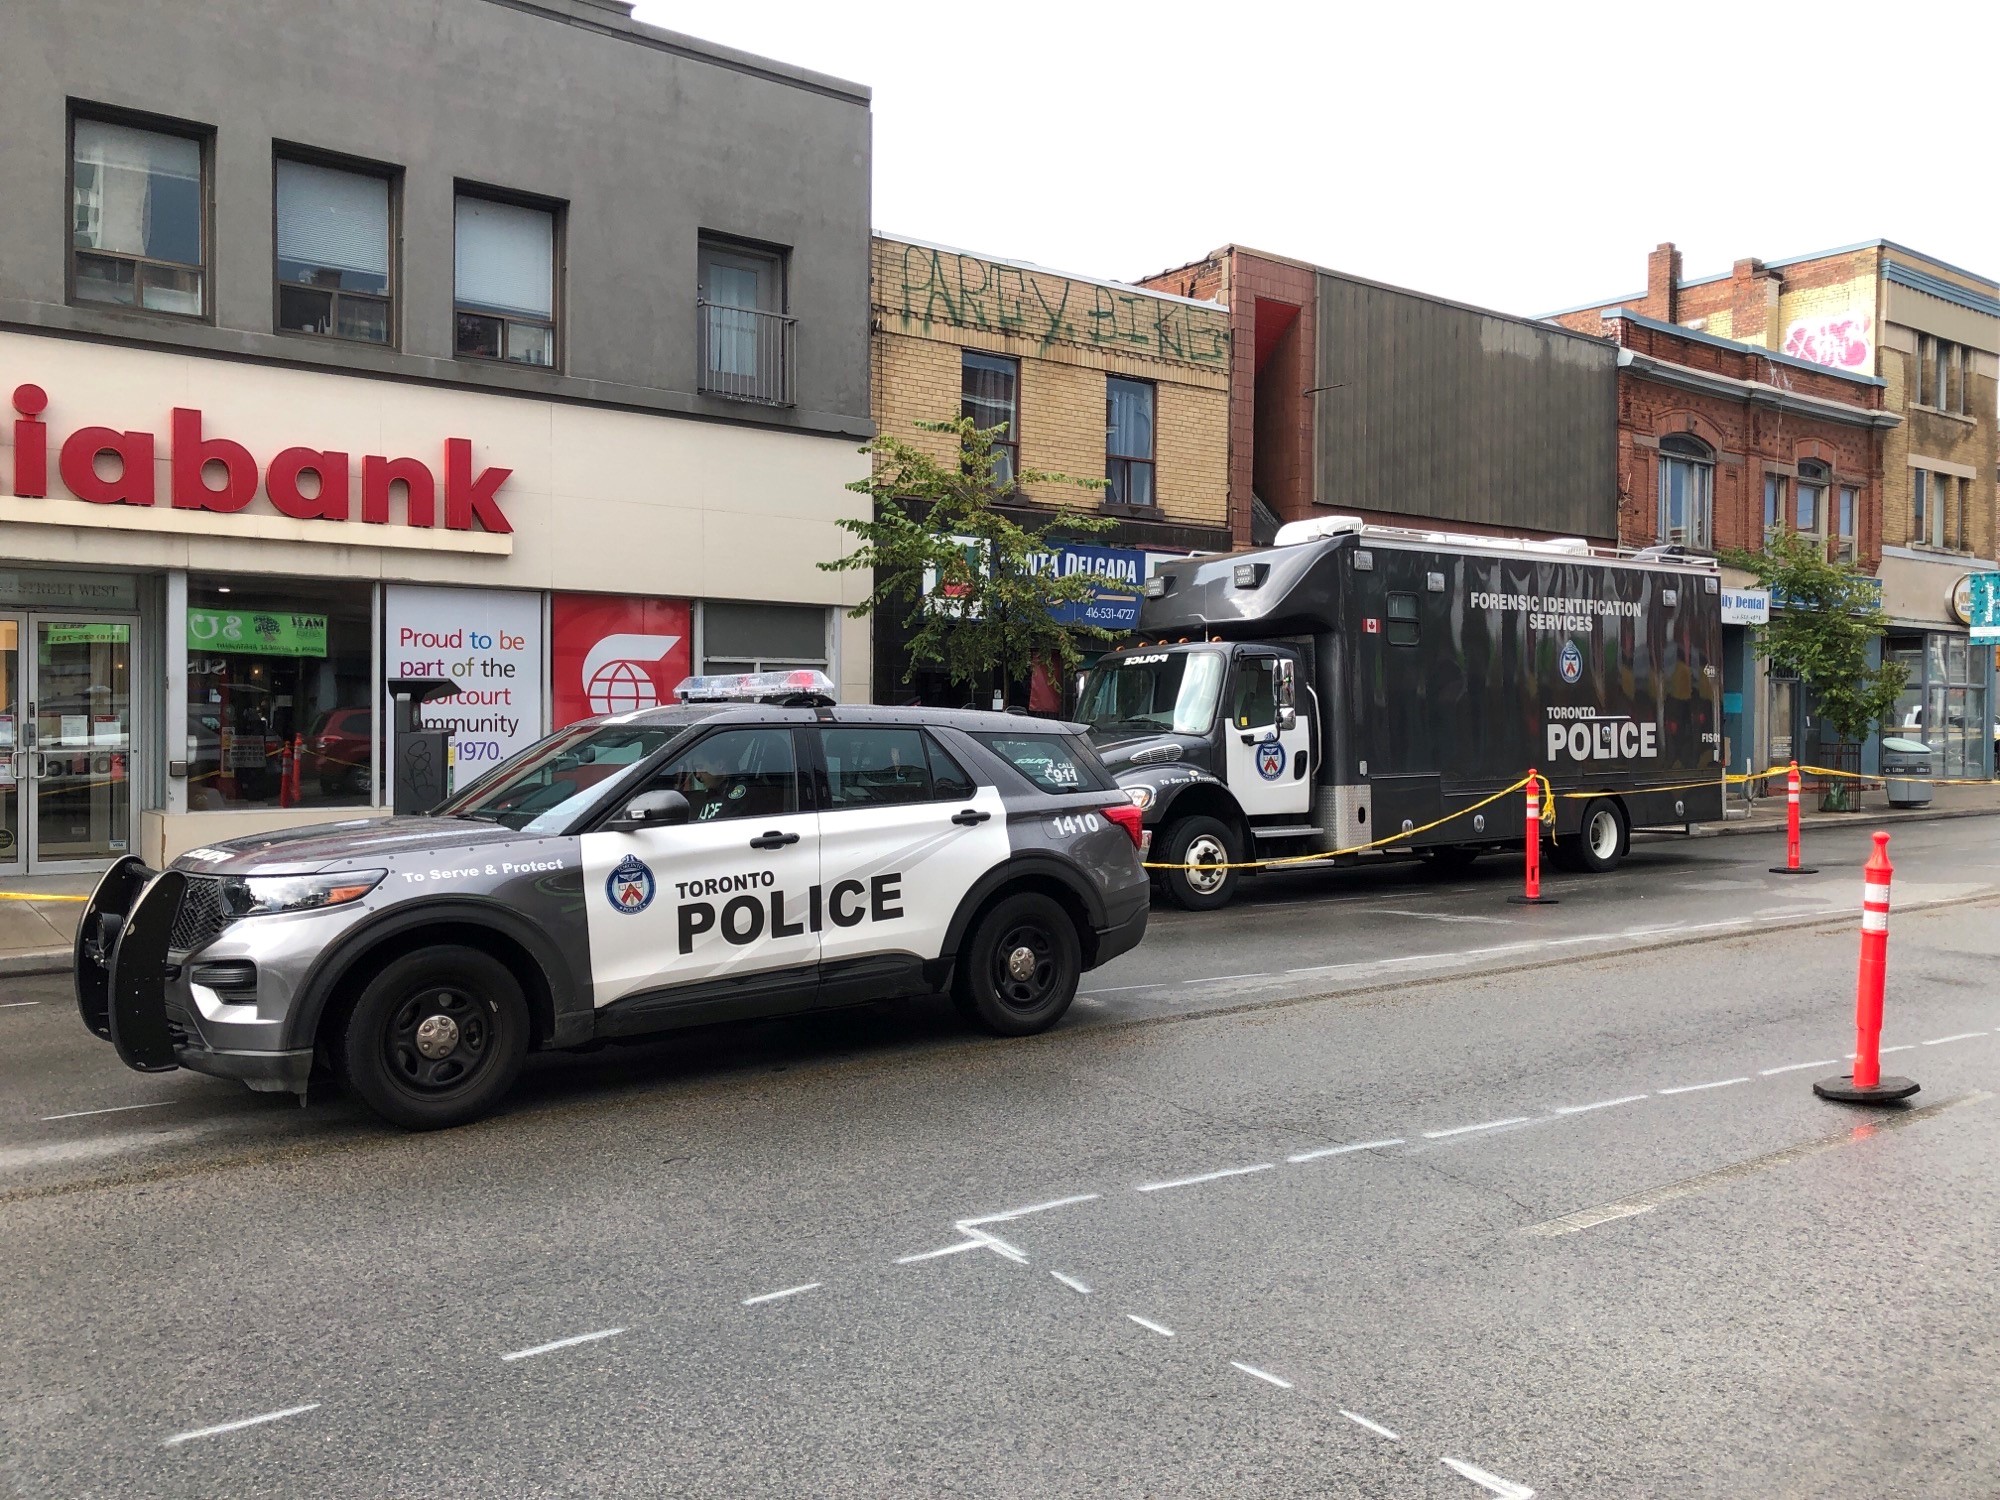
661 809
1284 685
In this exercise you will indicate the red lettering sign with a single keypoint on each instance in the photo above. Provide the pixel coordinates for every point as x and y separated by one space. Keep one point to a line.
206 473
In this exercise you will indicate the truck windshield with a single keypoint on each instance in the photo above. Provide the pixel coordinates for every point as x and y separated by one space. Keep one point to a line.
1153 692
545 786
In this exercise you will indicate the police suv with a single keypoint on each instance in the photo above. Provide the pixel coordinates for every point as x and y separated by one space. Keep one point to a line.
753 851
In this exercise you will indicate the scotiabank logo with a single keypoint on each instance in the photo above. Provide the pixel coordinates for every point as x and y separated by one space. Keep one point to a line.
107 467
613 653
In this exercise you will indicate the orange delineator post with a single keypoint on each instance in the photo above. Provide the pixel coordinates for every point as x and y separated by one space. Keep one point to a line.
1791 866
1533 895
1866 1085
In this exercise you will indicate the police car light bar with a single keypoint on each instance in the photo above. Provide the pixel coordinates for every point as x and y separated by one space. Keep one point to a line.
757 687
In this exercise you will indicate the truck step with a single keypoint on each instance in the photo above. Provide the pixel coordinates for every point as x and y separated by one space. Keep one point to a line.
1290 831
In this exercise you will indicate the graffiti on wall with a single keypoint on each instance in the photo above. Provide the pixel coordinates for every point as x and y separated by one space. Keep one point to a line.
962 291
1838 340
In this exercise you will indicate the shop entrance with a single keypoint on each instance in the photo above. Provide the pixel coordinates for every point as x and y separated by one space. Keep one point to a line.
67 750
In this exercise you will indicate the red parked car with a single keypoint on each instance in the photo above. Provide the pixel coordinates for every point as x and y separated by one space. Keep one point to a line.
339 751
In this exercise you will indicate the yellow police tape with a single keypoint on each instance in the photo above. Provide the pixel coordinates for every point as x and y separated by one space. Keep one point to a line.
1548 812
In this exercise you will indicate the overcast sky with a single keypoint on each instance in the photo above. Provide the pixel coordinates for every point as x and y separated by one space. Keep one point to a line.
1520 156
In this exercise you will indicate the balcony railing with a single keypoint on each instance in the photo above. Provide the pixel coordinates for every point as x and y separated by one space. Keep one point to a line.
746 354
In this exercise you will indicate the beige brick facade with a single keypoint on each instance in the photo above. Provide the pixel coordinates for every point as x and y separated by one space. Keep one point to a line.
1069 334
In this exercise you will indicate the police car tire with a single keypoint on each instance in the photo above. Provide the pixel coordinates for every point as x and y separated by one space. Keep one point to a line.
478 987
1000 1002
1211 833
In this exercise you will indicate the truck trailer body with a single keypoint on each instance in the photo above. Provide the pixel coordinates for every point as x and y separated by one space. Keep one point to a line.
1357 683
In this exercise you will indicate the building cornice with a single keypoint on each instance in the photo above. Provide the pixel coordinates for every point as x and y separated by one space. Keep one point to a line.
1754 392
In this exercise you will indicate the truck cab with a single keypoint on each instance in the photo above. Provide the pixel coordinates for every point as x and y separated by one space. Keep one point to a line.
1208 738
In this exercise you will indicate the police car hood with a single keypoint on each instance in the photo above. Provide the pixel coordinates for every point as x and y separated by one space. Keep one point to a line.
1120 750
349 844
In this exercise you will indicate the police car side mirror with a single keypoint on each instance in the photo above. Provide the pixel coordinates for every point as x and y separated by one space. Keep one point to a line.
661 809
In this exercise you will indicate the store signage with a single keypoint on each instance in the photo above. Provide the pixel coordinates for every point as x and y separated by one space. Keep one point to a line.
256 632
91 633
1113 608
1976 602
217 475
62 590
489 642
612 653
1746 607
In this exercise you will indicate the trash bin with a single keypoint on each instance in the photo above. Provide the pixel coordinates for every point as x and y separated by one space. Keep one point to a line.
1906 769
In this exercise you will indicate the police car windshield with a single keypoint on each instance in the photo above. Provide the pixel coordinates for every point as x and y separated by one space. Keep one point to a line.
1152 692
542 789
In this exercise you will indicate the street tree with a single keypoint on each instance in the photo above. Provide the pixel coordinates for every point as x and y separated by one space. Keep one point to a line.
1826 617
979 591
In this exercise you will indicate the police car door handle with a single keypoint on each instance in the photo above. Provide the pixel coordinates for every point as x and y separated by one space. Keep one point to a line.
969 817
774 840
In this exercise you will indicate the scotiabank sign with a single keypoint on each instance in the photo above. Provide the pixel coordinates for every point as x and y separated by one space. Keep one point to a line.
213 473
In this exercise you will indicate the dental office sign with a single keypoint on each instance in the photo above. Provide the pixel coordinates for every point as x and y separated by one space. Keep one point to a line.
213 483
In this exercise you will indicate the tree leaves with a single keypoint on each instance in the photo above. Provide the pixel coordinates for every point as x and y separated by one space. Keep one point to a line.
972 584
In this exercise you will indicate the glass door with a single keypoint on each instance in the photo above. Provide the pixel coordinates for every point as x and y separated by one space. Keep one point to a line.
78 810
14 759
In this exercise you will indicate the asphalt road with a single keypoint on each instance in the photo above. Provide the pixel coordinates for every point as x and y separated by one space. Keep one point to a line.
1366 1186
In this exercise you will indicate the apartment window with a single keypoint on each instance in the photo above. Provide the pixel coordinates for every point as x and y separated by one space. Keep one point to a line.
746 338
138 211
1850 510
1128 441
1811 497
990 389
1687 491
333 251
1942 368
1774 505
505 282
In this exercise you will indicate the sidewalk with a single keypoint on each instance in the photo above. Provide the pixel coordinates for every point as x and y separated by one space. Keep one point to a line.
36 933
1768 813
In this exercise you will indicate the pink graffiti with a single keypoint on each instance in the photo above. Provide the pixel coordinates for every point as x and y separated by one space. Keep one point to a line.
1840 340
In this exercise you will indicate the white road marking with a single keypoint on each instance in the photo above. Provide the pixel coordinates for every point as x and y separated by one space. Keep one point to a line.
1149 1323
1963 1036
1279 1382
1502 948
1695 1088
116 1109
1375 1427
1119 989
1904 1047
1033 1208
1178 1182
790 1291
581 1338
221 1427
1438 1135
1071 1282
1795 1067
1218 978
1506 1489
958 1249
994 1243
1343 1150
17 1004
1438 916
1584 1109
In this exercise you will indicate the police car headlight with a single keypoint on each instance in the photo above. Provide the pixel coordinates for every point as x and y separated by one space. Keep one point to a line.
1142 796
261 895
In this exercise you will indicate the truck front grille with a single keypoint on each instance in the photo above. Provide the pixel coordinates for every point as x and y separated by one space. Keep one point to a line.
202 915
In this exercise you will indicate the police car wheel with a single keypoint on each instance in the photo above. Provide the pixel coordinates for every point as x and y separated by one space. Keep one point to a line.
436 1038
1209 846
1602 839
1019 972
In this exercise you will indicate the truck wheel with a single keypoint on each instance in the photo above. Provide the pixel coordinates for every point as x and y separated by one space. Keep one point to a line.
1602 839
1448 860
1201 842
436 1038
1018 973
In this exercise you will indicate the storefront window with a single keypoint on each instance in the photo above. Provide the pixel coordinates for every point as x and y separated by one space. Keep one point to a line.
1944 699
279 694
762 637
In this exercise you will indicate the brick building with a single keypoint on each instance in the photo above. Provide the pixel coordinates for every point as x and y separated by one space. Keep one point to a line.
1347 396
1925 336
1093 380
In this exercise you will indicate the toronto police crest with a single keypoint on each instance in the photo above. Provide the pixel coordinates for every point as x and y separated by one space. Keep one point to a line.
1570 662
1270 760
630 887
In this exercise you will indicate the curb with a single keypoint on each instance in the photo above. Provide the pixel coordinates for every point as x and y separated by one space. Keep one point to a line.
1842 820
26 965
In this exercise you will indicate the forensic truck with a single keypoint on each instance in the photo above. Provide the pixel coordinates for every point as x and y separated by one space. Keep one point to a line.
1359 688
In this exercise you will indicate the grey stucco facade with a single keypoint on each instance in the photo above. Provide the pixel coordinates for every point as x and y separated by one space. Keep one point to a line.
646 139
